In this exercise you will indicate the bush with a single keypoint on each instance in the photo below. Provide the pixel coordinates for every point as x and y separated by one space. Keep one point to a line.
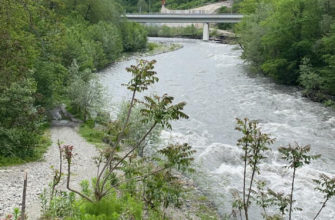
85 93
137 128
111 208
134 36
165 31
20 120
109 37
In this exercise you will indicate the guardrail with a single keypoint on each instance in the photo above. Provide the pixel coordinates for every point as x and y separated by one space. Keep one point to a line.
185 18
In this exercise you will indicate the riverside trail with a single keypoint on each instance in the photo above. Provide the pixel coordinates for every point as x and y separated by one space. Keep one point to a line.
40 173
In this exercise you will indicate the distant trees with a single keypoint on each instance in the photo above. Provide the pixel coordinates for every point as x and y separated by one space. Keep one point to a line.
279 37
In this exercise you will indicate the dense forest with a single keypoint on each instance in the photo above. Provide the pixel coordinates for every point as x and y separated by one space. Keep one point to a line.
49 52
292 41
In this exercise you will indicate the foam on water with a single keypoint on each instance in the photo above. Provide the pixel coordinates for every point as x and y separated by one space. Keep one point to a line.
222 164
212 79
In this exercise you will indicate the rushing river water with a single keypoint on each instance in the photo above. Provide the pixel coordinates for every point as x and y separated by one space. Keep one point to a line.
213 80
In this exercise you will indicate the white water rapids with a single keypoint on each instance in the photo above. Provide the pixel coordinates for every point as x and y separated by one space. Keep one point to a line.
214 82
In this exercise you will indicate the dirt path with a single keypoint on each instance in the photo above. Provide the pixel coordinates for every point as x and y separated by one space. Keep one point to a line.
40 174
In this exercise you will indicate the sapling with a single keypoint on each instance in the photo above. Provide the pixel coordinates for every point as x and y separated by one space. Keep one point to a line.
326 185
280 200
297 156
156 111
254 143
237 204
262 198
143 76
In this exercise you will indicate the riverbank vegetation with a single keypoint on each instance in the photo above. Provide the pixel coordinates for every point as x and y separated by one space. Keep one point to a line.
129 184
50 51
293 42
165 31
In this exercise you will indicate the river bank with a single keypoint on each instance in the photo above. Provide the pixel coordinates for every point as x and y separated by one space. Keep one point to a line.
196 205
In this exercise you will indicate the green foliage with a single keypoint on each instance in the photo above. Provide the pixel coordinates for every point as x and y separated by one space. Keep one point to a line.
15 216
326 185
165 31
142 75
297 156
20 120
39 40
111 207
162 189
91 134
85 92
145 182
309 79
136 128
134 36
254 144
109 36
161 111
178 156
62 204
292 42
280 200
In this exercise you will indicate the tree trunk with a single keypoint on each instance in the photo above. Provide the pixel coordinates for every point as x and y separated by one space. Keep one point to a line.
291 196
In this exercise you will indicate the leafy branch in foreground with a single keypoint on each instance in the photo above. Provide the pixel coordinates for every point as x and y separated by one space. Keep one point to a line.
326 185
297 156
254 143
149 179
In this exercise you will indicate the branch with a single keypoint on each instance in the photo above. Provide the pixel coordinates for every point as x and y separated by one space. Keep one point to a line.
68 183
117 141
137 177
323 205
131 151
57 177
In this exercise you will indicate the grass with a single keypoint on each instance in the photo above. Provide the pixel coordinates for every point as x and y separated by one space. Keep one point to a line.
40 149
157 48
91 134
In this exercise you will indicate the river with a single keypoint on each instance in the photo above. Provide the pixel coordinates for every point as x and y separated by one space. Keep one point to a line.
214 81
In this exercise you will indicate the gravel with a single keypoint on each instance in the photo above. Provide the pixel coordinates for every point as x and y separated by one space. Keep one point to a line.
40 173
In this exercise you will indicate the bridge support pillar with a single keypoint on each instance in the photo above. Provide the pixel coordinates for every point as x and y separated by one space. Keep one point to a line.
205 33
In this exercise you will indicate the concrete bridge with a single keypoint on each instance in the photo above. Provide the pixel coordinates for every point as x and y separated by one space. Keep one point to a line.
186 18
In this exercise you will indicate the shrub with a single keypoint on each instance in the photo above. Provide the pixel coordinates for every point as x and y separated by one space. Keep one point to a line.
20 120
134 36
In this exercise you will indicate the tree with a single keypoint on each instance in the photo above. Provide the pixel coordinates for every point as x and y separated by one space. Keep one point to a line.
20 120
297 156
86 92
254 144
142 6
326 185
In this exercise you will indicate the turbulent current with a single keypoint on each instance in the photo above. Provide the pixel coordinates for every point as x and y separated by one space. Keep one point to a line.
214 81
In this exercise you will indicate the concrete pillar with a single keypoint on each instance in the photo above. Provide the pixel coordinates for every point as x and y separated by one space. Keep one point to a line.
205 33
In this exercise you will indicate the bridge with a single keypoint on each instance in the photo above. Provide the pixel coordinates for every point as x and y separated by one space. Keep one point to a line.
187 18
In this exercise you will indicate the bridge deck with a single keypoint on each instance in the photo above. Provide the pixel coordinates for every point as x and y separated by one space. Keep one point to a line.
185 18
